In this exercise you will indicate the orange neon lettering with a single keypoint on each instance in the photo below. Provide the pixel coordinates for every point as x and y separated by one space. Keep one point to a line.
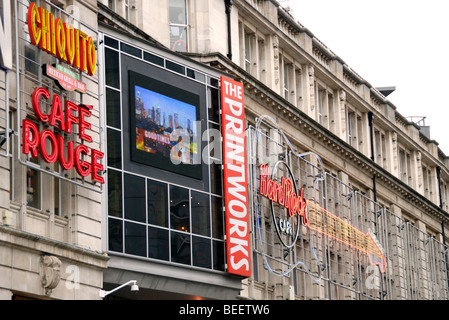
60 40
33 17
77 60
83 51
91 57
51 19
44 25
70 43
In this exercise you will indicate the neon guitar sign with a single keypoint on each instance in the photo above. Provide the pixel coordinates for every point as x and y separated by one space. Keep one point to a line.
314 216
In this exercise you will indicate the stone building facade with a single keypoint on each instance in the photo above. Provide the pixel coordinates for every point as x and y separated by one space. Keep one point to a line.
50 231
374 184
375 165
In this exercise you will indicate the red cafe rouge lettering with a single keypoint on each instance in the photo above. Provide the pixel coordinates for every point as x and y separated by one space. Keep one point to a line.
283 194
34 142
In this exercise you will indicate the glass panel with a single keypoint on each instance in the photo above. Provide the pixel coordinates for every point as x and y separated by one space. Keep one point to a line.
56 196
201 252
178 38
131 50
112 68
114 193
175 67
33 188
178 11
180 247
135 239
113 108
135 208
153 59
114 148
111 42
217 218
115 235
179 209
158 243
219 255
196 75
214 106
200 213
215 178
157 203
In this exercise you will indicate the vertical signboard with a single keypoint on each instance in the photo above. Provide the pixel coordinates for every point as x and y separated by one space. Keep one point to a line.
235 178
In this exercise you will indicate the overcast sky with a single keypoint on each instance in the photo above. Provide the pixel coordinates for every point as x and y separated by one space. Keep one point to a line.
400 43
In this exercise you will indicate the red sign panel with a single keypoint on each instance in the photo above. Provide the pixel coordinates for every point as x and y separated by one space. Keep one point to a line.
235 178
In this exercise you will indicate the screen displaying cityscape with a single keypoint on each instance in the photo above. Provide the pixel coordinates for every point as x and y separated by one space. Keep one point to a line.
165 126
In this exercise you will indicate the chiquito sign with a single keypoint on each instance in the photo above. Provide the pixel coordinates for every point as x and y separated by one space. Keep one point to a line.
75 48
68 44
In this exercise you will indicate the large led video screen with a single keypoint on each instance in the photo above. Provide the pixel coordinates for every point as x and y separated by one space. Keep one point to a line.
164 126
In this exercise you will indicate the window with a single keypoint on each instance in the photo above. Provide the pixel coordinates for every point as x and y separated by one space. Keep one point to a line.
32 53
127 9
351 128
111 4
320 98
248 52
178 25
323 105
286 80
355 128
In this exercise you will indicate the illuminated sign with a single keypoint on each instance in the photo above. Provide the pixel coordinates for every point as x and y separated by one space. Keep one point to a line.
37 143
5 36
65 78
235 178
313 216
68 44
326 223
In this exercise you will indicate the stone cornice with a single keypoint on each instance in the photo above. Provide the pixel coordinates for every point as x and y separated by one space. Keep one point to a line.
28 241
303 122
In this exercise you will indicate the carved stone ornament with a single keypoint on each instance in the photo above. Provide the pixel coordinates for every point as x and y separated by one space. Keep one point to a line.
50 273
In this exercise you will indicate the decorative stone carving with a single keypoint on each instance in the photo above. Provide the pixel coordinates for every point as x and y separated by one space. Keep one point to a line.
50 273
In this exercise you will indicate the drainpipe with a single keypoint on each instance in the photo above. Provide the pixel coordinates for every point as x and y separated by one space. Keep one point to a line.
439 186
228 5
371 134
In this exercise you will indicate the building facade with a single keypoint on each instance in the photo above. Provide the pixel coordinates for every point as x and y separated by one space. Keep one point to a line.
51 164
207 150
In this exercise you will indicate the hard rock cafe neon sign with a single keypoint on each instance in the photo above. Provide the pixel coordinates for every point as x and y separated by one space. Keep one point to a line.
313 216
289 209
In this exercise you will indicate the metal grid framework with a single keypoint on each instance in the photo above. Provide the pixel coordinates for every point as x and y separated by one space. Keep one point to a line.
320 267
29 60
5 126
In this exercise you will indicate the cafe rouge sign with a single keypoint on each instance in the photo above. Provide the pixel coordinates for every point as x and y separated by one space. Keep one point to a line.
74 47
50 146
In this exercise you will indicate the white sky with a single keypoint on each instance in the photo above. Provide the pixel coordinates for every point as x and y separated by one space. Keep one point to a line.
400 43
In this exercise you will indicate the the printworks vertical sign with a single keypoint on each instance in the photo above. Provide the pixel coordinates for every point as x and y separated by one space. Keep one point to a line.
235 178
